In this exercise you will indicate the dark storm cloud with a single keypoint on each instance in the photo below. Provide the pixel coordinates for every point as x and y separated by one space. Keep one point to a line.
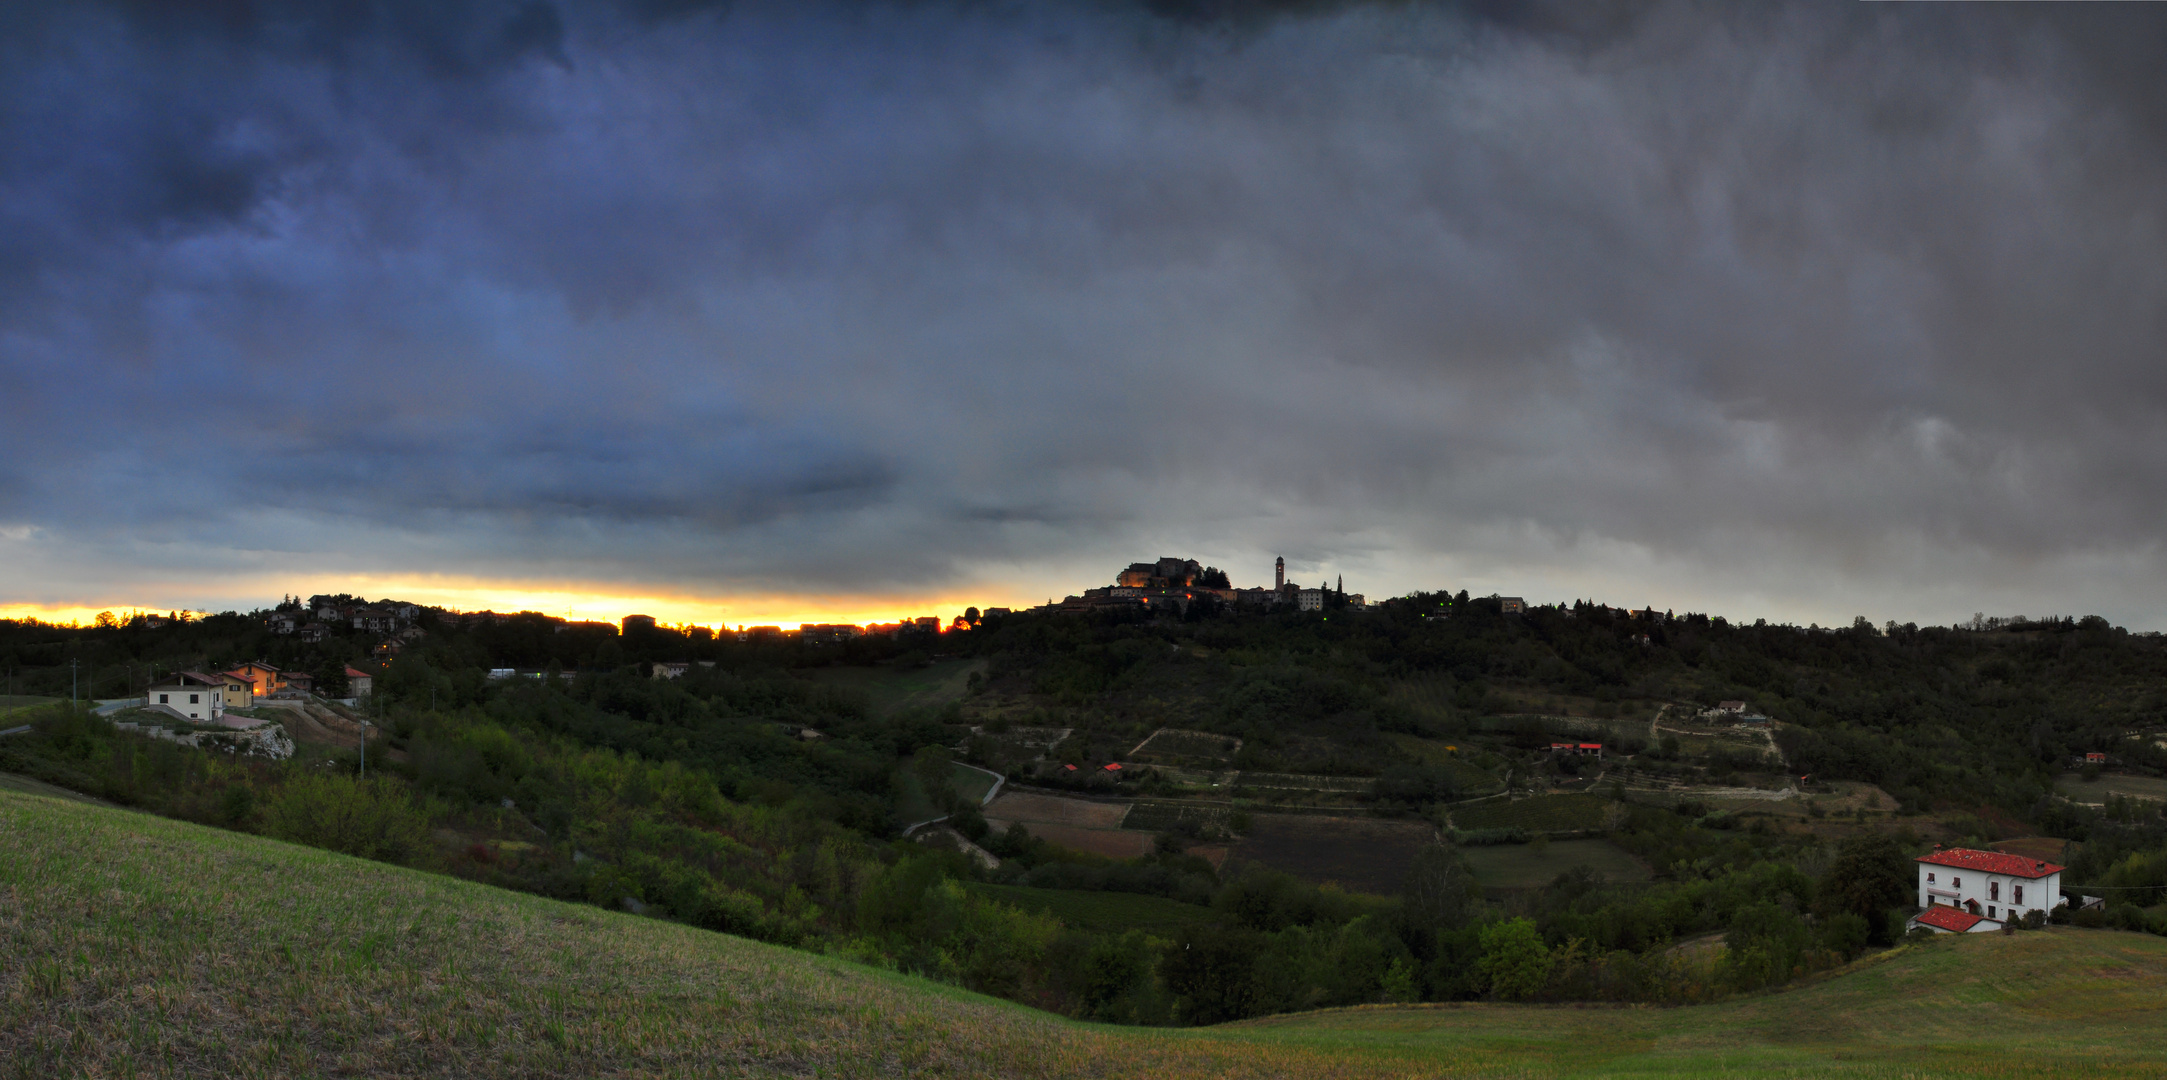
1822 309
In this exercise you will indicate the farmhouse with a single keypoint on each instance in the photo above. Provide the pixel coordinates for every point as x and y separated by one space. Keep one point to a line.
1586 749
1994 886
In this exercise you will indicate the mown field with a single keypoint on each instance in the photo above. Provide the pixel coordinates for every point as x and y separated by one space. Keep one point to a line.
1523 866
136 946
1366 855
2096 791
1544 813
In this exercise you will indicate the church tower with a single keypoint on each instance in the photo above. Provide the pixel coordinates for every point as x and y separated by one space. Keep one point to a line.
1279 573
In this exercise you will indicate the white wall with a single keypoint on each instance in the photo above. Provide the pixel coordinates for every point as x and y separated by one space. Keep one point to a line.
2040 894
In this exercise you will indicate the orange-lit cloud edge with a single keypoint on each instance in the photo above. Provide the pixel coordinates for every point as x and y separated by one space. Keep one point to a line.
564 600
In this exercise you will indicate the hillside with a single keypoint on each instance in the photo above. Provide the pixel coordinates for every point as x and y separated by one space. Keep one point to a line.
136 945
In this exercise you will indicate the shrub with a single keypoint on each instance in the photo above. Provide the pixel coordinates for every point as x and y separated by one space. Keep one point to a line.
374 819
1515 962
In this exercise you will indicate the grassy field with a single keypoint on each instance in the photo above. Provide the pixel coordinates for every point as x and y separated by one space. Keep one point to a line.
1520 866
135 946
11 704
2096 791
1544 813
31 785
890 690
1107 912
1473 779
970 783
1367 855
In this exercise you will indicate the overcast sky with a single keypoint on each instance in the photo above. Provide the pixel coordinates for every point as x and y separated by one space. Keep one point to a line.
762 309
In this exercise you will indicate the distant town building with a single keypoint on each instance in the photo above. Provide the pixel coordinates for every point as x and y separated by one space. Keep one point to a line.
1512 605
638 622
361 684
671 671
263 679
190 694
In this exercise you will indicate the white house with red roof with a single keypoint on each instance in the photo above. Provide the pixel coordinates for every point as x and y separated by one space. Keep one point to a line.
1981 890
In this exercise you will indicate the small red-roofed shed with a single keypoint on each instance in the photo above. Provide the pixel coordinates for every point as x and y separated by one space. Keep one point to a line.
1113 767
1943 919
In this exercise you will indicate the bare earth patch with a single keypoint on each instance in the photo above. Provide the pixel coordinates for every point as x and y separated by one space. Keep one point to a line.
1112 843
1032 808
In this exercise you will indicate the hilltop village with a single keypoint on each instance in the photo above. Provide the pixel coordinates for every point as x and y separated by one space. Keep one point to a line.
1176 584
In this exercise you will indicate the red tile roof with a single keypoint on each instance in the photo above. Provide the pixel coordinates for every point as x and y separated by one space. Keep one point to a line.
1944 917
1591 746
1991 862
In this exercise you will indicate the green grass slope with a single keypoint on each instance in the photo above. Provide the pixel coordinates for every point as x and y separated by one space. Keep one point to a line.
135 945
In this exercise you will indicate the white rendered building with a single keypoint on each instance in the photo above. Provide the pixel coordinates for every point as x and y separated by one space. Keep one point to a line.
191 694
1984 887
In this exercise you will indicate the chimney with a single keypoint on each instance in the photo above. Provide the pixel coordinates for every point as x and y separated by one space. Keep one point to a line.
2040 866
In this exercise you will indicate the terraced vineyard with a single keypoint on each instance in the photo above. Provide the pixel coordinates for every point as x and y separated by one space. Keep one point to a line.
1169 816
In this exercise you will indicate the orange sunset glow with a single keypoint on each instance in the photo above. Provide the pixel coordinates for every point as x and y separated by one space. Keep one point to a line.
559 599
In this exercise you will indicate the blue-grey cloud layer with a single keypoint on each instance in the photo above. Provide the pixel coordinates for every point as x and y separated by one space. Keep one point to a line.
1820 309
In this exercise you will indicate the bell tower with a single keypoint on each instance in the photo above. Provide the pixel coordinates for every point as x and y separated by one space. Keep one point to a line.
1279 573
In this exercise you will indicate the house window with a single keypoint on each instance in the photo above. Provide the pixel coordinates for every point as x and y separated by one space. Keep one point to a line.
163 698
1993 890
1990 912
1956 883
2019 897
194 699
1929 877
